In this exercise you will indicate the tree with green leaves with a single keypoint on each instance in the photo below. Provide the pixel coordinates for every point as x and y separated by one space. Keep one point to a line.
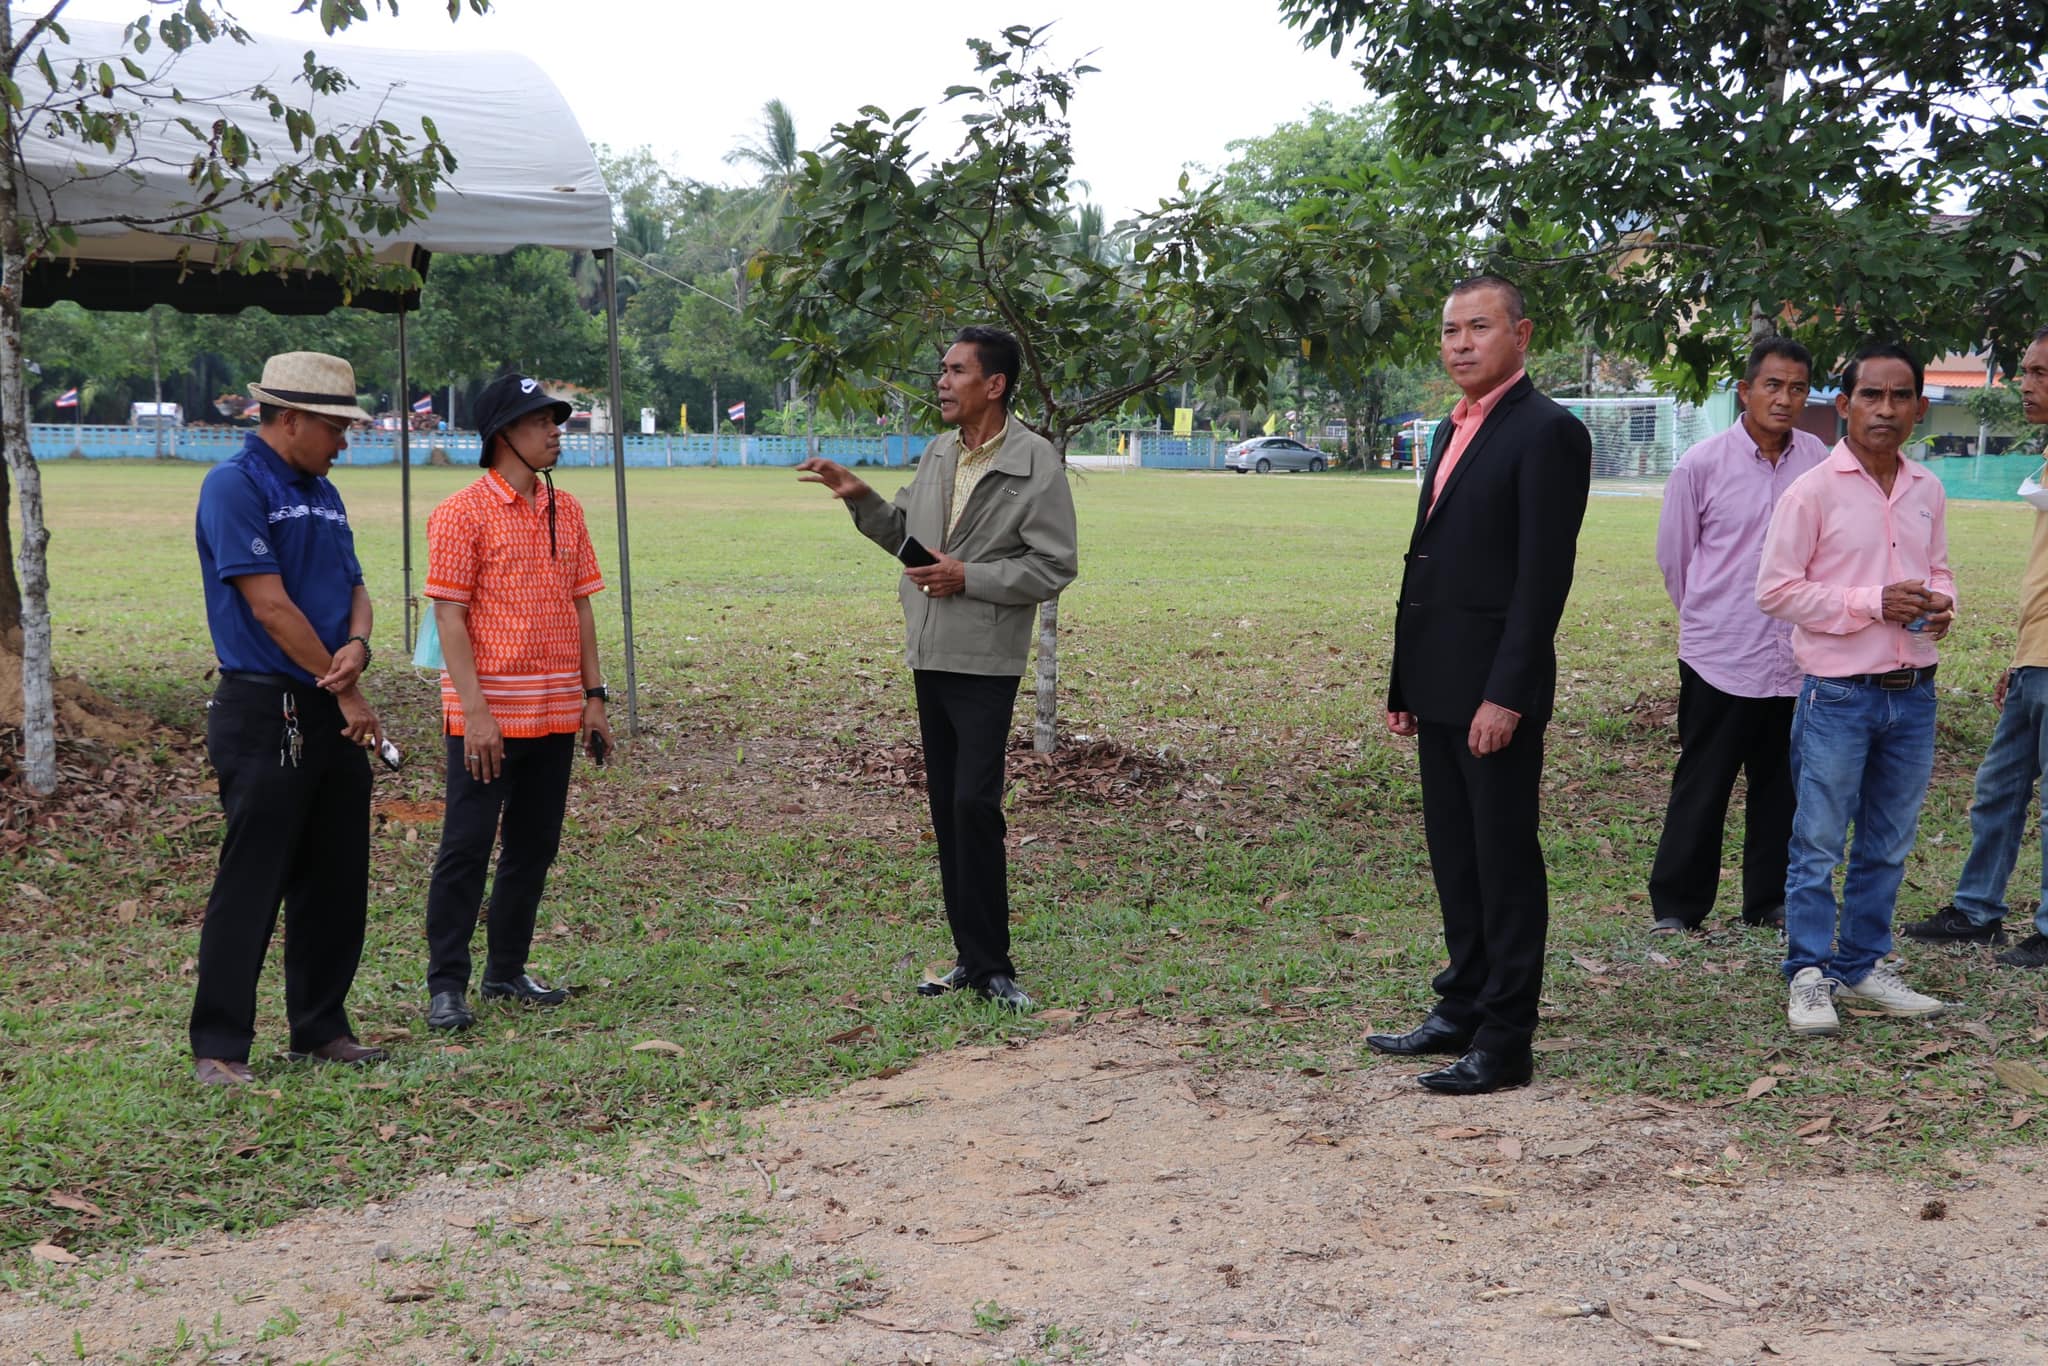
892 254
341 186
1835 168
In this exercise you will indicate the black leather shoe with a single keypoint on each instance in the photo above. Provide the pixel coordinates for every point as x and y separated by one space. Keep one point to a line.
526 991
956 980
449 1011
1480 1072
1005 992
1433 1035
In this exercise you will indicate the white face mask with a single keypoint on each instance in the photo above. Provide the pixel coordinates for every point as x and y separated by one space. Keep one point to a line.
2032 492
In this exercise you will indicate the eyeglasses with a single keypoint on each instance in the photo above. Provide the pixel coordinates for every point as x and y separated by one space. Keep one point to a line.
339 426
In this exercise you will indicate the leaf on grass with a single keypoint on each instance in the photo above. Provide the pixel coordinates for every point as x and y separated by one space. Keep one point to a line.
414 1295
2020 1076
1707 1292
1814 1126
1758 1087
1057 1016
1977 1029
1553 1045
1932 1049
1564 1147
126 911
387 1132
247 1150
54 1255
606 1240
66 1200
2021 1118
657 1046
523 1220
1590 965
853 1035
460 1221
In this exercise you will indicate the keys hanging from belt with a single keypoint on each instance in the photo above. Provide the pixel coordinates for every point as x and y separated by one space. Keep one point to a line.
292 742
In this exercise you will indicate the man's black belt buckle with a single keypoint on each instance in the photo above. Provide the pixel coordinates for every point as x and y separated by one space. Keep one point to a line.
1901 680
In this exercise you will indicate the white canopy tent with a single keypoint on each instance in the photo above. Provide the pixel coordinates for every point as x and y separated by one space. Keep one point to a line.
524 175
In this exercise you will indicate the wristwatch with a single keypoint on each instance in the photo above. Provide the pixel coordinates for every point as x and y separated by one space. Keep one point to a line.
600 693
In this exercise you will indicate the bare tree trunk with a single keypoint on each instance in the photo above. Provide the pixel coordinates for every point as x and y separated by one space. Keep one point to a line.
38 702
1045 731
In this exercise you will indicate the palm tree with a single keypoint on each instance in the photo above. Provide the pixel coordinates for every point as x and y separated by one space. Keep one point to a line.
773 152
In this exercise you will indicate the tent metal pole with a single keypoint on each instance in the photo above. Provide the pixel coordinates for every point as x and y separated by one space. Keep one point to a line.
405 478
618 416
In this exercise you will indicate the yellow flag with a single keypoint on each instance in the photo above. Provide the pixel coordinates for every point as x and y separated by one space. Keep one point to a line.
1119 443
1183 421
683 421
1272 422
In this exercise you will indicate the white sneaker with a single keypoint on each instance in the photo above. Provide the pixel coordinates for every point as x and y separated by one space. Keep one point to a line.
1886 990
1812 1008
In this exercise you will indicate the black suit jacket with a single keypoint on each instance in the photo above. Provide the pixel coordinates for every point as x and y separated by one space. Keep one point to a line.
1489 570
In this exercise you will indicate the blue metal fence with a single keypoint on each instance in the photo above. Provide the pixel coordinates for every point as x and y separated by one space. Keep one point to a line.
59 441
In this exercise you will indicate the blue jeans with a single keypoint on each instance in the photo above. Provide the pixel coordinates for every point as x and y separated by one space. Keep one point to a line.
1860 755
1998 809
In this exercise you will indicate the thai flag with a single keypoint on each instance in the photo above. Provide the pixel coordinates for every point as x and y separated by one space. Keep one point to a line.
68 399
738 412
425 404
254 410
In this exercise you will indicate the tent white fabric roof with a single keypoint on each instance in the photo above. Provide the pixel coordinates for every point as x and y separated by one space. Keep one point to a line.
525 174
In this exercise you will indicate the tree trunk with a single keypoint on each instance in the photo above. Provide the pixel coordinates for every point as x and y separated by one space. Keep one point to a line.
38 703
1045 729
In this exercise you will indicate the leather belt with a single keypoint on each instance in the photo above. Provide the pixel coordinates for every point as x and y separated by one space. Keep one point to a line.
1898 680
267 680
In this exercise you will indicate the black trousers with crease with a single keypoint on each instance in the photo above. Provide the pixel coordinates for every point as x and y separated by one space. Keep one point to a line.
965 721
528 798
1479 816
297 834
1721 735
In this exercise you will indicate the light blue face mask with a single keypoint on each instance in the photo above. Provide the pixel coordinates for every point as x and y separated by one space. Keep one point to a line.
2032 492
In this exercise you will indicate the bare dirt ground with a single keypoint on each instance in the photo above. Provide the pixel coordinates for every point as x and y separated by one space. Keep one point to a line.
1097 1195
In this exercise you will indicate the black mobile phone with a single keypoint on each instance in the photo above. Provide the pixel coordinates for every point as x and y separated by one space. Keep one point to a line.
913 553
597 747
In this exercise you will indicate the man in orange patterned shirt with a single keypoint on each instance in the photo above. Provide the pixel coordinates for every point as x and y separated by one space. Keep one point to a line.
511 571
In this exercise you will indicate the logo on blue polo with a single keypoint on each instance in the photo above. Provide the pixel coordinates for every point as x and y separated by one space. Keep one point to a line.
259 546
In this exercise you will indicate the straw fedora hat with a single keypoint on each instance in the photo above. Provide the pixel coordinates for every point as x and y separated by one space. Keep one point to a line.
312 382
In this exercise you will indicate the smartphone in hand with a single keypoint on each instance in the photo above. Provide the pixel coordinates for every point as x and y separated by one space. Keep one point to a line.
913 554
597 748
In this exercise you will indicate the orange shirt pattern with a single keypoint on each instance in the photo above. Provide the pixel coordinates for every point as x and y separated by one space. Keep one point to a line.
488 547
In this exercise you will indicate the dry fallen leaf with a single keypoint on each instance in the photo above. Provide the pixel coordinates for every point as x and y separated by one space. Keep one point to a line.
657 1046
51 1253
1099 1116
964 1235
1814 1126
66 1200
2021 1118
1464 1131
2020 1076
608 1241
1759 1086
415 1295
1563 1147
853 1035
126 911
1057 1016
1707 1292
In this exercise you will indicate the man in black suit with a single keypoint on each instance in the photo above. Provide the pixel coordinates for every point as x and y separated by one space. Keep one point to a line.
1475 671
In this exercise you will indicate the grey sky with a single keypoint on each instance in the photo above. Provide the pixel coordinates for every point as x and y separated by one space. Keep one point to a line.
1177 81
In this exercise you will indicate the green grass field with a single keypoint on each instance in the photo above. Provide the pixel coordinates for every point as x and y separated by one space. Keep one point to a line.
735 888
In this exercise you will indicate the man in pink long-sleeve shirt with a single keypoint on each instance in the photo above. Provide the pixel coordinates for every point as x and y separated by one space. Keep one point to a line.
1857 560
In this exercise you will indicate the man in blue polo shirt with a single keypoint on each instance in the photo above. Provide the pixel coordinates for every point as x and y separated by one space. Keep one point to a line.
287 725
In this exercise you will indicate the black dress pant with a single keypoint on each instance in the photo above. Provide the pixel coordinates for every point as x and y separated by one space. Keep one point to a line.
529 797
1719 736
965 719
1479 816
297 833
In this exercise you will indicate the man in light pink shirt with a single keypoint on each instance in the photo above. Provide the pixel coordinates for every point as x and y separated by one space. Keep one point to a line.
1736 676
1857 560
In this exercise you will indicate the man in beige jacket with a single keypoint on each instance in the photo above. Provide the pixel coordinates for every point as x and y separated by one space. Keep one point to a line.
990 510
